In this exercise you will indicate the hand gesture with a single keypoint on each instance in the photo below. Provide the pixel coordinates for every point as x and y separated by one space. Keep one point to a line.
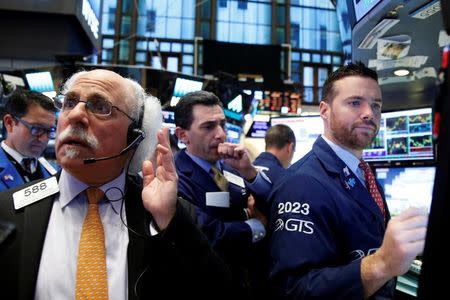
238 158
159 193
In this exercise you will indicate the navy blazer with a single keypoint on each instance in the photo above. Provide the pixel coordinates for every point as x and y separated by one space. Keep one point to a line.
222 225
174 264
323 222
270 165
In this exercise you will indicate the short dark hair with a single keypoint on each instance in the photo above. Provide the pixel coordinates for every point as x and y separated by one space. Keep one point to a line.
279 136
184 107
20 101
352 69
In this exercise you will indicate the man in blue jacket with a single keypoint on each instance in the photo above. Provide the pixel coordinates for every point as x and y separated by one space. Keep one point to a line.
332 238
280 148
29 122
226 212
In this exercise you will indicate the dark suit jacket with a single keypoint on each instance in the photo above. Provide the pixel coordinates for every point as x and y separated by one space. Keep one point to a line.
225 227
175 263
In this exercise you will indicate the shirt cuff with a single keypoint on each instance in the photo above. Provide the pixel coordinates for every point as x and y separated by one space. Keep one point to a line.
258 230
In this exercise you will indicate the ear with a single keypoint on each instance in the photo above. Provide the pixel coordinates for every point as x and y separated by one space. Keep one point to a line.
8 122
182 135
324 110
291 148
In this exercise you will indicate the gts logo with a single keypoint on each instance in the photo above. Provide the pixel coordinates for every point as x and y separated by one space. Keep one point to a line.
295 225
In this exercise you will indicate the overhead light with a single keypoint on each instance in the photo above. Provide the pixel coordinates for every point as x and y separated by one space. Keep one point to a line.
401 72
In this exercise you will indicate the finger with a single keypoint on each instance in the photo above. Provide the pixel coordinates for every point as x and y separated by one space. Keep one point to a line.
165 158
411 212
163 137
147 172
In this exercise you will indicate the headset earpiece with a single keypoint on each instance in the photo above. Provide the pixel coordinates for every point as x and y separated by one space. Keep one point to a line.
134 130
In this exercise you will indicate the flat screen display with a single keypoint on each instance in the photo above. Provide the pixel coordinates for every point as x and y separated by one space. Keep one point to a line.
284 102
306 129
259 127
407 186
182 87
40 82
233 133
362 7
404 136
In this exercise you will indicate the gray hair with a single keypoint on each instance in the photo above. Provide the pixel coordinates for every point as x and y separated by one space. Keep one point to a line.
151 123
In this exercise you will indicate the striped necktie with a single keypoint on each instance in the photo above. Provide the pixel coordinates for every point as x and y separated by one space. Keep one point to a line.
91 281
372 185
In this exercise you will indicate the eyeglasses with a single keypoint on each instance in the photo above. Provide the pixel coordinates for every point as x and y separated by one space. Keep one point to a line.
37 130
97 106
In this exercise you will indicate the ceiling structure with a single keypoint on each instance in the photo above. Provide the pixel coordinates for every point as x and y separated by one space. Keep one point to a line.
411 41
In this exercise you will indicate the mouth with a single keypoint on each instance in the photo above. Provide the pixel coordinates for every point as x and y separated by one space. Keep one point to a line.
74 142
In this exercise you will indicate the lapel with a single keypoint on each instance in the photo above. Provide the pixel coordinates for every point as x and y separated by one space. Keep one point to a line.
195 173
9 175
348 180
35 218
137 221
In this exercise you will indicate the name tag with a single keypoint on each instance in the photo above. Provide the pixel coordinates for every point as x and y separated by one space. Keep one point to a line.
234 179
218 199
47 166
35 192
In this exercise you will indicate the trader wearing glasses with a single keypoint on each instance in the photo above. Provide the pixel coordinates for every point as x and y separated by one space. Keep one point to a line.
97 231
29 123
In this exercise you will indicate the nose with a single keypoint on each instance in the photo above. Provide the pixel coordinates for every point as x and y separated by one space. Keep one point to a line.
221 133
367 112
78 113
44 137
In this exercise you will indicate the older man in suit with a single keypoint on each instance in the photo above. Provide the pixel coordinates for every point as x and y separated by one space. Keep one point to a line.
149 247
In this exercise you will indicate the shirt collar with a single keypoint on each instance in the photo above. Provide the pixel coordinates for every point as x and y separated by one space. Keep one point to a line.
14 154
346 156
70 187
204 164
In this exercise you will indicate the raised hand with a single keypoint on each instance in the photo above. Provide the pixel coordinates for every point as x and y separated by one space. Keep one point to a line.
159 193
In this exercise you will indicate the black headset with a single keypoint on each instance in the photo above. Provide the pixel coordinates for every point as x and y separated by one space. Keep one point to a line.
135 134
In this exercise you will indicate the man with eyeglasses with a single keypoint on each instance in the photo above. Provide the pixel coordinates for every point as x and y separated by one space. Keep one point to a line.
29 123
96 230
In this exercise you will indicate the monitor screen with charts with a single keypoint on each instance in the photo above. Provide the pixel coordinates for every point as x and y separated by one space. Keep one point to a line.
404 135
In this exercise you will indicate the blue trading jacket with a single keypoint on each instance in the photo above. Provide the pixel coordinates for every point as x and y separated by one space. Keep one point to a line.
323 221
270 165
9 177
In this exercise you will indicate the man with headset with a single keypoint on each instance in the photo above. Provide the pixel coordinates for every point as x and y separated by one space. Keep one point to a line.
29 122
149 247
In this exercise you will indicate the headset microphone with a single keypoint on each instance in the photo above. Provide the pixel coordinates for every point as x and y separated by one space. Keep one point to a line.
134 144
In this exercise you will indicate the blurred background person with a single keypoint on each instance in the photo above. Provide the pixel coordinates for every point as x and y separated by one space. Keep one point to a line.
280 148
29 123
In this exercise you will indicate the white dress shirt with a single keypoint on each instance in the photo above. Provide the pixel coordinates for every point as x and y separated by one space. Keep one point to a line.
58 266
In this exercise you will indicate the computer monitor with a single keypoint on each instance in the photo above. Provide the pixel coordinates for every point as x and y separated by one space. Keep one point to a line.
306 129
41 82
404 135
407 186
233 133
184 86
259 126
